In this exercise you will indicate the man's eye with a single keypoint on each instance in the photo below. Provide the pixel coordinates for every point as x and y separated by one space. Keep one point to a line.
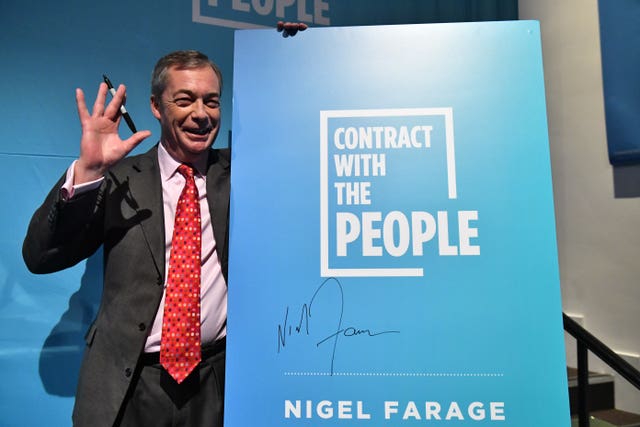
213 103
183 102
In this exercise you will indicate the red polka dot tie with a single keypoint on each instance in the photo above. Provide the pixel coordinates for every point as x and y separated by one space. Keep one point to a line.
180 343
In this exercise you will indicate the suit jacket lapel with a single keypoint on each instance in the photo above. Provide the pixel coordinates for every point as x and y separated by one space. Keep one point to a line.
218 171
146 189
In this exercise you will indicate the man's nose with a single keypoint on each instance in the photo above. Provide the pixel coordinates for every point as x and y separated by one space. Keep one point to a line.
199 111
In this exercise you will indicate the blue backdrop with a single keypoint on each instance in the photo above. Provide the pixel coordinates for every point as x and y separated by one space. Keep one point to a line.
49 49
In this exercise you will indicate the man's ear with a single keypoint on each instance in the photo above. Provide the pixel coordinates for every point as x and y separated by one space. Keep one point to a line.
155 107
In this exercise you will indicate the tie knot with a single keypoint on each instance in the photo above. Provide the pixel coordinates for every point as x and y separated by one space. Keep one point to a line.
186 171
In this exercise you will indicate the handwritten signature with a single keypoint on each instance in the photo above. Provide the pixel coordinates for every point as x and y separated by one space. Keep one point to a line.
286 330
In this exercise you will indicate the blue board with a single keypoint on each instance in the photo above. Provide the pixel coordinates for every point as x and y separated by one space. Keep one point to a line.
393 256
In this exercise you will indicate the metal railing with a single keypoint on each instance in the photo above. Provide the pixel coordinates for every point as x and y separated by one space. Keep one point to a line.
587 342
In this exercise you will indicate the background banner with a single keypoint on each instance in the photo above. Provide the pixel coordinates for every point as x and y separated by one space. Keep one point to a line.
48 50
619 42
393 256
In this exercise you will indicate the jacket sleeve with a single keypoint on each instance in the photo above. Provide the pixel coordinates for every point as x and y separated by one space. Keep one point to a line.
62 233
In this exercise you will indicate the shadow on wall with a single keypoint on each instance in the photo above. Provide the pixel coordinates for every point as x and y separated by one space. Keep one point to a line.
63 349
625 181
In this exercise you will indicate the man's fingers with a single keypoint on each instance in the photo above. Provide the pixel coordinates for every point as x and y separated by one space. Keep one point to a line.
297 26
290 28
113 108
98 105
136 139
83 113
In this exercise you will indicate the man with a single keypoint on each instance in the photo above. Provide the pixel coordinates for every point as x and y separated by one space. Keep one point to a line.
129 205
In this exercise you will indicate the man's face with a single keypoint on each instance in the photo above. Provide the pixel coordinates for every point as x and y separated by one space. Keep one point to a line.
189 112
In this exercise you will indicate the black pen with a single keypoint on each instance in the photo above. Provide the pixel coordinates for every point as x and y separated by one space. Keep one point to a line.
127 117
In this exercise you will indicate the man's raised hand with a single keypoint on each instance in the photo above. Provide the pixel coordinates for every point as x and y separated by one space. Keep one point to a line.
100 145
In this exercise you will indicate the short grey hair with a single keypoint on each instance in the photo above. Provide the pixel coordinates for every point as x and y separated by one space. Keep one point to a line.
181 60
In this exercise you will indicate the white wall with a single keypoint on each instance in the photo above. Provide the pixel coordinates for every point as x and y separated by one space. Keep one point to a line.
598 234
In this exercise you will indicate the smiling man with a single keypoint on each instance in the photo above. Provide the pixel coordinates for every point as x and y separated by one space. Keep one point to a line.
155 352
186 101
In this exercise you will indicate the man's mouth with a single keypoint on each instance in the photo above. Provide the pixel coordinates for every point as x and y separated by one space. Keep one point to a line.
199 131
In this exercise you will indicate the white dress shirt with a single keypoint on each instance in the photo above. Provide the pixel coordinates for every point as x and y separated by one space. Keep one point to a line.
213 289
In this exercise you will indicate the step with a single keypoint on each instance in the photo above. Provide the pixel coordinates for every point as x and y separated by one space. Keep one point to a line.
601 402
601 395
618 418
611 418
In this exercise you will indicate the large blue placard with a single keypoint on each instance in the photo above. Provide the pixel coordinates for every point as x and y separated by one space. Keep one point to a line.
393 257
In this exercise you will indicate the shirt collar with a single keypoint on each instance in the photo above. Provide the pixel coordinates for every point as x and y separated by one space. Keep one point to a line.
169 165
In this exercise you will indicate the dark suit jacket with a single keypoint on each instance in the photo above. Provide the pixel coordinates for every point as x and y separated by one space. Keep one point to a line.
125 215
